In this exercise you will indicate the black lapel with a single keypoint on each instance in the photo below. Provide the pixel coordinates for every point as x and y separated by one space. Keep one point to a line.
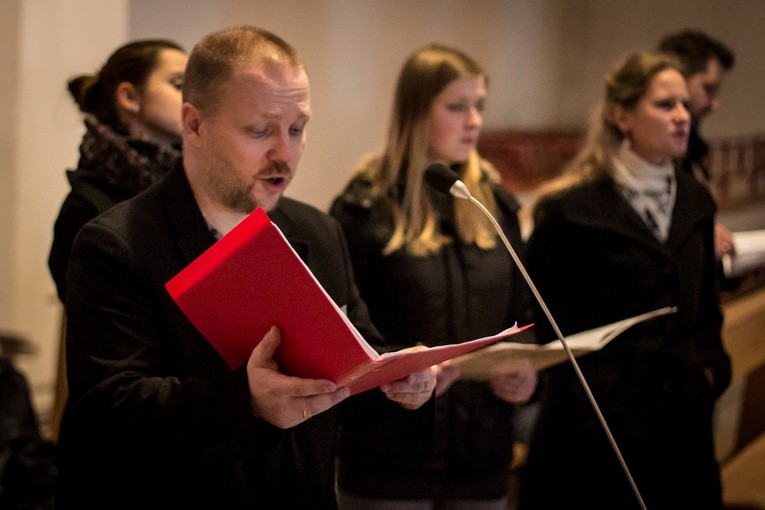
693 204
286 222
184 216
598 205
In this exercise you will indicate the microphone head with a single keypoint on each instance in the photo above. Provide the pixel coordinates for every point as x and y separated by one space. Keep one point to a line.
444 179
440 177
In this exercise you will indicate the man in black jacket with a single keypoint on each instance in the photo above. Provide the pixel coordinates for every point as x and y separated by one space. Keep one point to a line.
155 418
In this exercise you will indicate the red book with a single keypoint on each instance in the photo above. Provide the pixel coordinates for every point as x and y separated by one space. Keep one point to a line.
252 279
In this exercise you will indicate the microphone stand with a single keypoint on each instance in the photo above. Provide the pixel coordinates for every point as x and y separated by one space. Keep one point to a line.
462 192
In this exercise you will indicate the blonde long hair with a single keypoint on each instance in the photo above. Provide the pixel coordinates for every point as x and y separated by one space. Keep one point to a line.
425 74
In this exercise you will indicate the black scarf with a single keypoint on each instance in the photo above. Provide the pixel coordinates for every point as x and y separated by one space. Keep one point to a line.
126 165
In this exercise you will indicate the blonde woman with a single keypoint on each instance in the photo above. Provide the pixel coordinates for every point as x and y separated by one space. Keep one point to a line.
432 269
622 233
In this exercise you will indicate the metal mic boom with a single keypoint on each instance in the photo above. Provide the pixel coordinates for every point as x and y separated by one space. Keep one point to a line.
445 180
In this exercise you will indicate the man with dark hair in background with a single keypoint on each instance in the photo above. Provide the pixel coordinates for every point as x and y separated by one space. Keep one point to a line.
705 62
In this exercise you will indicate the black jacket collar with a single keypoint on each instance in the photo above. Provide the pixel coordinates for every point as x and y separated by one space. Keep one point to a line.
597 204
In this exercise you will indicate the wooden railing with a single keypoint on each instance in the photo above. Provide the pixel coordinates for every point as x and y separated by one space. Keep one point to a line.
737 169
740 416
525 159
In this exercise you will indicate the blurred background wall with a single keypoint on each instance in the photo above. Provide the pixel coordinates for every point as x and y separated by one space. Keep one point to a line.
546 60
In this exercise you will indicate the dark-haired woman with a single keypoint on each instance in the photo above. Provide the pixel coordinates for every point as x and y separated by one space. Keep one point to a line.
132 115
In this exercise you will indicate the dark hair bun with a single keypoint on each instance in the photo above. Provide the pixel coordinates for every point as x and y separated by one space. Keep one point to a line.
84 91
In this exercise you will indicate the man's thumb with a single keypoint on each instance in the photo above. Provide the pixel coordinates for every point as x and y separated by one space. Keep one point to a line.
263 353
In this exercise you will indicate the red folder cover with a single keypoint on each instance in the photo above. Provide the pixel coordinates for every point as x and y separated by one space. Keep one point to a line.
252 279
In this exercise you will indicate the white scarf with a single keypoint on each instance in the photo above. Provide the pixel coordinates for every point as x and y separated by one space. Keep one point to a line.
649 188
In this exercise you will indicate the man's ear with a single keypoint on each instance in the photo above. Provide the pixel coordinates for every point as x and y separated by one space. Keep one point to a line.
191 119
127 97
622 118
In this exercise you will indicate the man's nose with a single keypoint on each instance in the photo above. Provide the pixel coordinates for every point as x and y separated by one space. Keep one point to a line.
280 148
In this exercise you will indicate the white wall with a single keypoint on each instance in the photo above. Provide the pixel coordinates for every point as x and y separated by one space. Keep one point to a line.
545 58
610 30
9 63
55 39
354 48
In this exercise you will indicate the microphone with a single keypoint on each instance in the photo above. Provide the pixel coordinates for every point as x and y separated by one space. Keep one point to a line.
442 178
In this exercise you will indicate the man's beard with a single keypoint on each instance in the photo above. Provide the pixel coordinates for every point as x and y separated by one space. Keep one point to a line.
239 199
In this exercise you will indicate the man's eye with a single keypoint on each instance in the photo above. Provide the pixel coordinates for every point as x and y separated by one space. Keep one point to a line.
297 130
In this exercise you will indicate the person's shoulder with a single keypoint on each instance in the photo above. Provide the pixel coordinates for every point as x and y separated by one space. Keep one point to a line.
171 194
76 210
505 198
358 193
582 199
134 214
298 216
297 208
578 193
695 193
359 207
587 190
92 189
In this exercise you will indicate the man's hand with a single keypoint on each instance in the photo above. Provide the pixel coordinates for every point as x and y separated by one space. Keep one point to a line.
281 400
